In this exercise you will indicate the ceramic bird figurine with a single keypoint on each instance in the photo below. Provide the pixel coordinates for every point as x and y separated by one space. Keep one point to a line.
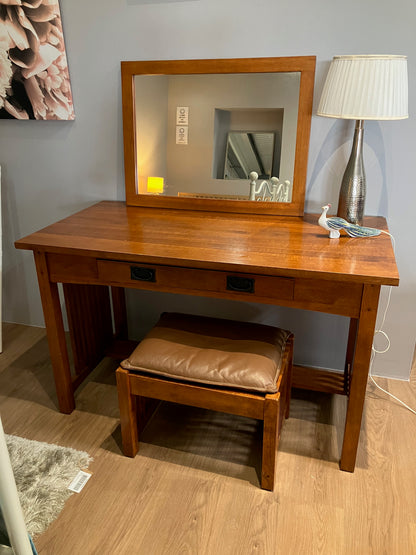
334 224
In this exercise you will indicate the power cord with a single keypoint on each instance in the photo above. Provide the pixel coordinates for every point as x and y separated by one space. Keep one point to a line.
380 331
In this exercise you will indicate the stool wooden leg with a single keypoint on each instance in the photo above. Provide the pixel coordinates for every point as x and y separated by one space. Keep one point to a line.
270 440
128 414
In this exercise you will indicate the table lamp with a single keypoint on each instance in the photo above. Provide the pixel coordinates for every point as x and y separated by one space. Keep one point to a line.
360 88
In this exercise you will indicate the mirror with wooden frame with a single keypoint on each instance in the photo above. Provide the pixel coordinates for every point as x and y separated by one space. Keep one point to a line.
227 135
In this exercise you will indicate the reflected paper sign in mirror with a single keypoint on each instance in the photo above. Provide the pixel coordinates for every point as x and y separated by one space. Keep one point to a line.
34 78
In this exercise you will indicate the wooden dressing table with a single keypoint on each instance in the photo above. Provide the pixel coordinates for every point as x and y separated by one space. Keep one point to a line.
265 252
210 254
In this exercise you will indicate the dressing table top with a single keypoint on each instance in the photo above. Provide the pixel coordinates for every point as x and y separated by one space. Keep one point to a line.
289 246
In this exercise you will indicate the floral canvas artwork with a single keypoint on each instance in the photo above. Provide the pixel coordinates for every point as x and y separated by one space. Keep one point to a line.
34 77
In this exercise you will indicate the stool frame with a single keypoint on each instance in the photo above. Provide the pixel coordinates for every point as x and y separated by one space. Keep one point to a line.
136 390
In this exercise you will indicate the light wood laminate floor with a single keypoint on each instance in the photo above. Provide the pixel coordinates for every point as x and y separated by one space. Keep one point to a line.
193 487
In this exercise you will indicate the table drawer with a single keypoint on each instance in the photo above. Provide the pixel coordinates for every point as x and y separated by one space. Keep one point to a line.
195 281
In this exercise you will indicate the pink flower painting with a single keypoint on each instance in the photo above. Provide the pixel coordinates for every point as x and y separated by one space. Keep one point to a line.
34 78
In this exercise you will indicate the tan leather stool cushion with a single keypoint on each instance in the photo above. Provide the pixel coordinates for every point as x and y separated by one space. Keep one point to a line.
212 351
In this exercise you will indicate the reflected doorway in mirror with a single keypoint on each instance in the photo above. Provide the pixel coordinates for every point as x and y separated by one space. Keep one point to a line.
250 151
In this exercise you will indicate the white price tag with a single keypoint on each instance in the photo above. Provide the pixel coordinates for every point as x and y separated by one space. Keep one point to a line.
79 481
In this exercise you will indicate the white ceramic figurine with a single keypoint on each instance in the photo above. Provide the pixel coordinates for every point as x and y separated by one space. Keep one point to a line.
334 224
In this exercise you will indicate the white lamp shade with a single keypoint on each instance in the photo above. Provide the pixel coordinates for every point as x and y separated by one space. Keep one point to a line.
366 87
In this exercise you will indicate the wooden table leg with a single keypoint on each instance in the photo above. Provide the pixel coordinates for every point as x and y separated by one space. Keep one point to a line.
56 335
360 368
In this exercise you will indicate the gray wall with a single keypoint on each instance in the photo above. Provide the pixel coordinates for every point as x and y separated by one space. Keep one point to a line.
52 169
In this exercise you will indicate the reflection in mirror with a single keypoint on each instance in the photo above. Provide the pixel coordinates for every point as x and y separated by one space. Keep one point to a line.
186 125
247 152
273 191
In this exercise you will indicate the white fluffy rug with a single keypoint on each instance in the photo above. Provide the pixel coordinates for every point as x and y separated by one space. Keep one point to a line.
43 473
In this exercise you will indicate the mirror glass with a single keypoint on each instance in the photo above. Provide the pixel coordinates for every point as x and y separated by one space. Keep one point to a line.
228 135
204 134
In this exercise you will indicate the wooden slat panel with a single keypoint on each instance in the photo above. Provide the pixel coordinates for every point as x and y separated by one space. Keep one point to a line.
118 299
90 323
120 349
318 380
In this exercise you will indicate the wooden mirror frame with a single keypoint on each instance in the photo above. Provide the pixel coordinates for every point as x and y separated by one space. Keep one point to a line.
305 65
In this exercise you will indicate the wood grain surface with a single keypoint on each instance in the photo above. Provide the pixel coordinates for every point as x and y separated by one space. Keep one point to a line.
290 246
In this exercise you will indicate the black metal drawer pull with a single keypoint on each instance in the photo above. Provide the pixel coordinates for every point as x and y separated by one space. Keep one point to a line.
240 284
142 274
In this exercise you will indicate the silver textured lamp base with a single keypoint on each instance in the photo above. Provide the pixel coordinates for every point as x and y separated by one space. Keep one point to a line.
353 187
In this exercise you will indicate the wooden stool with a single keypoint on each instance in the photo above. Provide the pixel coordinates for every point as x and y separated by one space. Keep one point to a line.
222 365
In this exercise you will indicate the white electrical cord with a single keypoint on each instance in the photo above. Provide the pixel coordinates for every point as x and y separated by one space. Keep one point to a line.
375 351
